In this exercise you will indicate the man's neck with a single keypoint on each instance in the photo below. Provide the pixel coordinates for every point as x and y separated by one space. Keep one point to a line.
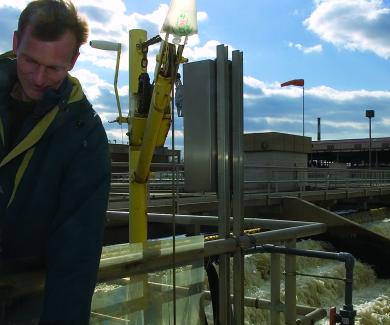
19 94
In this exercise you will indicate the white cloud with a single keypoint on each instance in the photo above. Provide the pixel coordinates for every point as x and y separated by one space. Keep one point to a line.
306 49
92 84
202 16
207 51
254 83
117 135
361 25
347 125
322 92
179 134
269 89
17 4
115 28
108 21
123 91
385 121
272 120
106 117
346 95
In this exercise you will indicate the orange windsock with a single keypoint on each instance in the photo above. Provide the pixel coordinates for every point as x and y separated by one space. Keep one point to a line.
294 82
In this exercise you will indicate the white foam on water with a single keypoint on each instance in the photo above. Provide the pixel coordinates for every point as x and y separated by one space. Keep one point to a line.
381 227
371 296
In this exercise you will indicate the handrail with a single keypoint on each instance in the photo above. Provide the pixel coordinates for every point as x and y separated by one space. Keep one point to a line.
22 284
273 179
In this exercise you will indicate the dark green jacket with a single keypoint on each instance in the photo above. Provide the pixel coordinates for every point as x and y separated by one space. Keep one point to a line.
54 188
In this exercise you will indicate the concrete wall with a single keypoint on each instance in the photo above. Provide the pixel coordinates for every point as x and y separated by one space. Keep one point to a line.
274 179
282 152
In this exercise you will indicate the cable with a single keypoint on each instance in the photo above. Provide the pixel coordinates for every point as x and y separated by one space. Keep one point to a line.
212 276
174 202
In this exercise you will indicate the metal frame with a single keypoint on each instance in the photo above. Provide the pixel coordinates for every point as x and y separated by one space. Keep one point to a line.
224 179
238 183
112 268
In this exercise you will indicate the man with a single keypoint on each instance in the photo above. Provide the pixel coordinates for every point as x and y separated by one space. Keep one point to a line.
54 167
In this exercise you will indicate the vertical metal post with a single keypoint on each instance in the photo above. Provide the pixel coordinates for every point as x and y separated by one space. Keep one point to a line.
318 129
369 145
137 192
376 159
303 110
370 113
290 313
275 289
237 184
224 186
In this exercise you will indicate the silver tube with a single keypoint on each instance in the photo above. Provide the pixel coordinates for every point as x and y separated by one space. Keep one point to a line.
312 317
290 314
224 193
119 216
238 184
275 289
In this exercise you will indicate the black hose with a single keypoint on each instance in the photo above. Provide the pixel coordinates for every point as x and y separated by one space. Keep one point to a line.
145 91
212 276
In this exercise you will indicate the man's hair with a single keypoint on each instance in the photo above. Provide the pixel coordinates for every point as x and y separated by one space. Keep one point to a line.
50 19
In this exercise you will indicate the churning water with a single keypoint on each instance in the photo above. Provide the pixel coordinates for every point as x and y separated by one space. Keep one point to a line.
371 296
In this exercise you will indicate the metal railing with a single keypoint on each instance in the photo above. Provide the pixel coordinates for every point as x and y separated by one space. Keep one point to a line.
160 178
124 265
273 179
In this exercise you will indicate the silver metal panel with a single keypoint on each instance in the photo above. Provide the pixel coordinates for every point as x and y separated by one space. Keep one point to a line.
238 183
224 178
290 312
275 289
199 107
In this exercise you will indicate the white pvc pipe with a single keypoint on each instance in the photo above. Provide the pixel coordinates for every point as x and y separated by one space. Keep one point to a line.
105 45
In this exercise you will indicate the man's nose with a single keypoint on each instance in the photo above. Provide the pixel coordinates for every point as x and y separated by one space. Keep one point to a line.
39 76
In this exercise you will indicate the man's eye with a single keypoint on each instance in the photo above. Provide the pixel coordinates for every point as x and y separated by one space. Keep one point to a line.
30 61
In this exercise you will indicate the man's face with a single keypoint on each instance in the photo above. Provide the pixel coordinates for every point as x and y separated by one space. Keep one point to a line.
42 65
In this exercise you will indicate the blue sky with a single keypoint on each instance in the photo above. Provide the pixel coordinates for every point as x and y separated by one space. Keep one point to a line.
340 47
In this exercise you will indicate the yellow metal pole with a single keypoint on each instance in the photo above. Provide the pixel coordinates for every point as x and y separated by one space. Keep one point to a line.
137 191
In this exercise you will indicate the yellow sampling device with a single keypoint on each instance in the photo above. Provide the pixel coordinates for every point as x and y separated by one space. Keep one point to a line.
149 116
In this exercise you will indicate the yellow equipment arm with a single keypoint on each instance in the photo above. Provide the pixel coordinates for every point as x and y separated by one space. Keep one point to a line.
149 126
148 131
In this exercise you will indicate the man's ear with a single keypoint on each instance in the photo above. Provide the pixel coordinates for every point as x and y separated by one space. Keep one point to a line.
74 59
15 42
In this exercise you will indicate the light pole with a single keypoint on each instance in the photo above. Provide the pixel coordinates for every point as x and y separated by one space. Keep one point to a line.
370 113
299 83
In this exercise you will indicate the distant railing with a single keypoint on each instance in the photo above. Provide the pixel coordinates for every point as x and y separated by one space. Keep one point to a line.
284 179
272 179
161 177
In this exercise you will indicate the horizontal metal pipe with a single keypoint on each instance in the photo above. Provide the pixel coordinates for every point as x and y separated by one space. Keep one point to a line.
208 220
314 316
112 268
153 165
318 170
300 252
153 260
222 246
